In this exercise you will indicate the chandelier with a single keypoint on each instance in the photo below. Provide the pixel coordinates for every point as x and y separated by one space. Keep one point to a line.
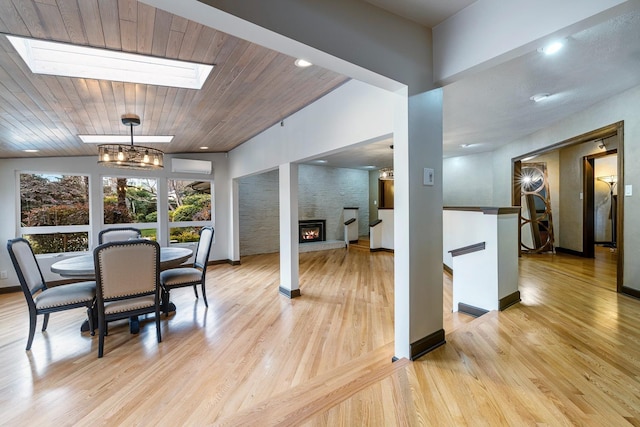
130 156
386 173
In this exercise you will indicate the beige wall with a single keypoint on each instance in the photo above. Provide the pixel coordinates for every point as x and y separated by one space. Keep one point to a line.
571 222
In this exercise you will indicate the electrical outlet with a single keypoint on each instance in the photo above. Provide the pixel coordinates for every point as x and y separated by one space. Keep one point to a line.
3 274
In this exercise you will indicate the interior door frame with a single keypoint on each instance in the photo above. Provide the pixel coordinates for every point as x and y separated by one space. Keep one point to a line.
614 129
588 206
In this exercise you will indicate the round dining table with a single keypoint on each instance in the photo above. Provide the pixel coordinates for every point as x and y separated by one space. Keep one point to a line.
82 266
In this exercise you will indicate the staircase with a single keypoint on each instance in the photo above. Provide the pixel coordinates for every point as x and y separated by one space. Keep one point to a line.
362 244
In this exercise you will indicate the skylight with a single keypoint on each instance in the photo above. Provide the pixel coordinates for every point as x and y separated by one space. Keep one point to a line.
61 59
125 139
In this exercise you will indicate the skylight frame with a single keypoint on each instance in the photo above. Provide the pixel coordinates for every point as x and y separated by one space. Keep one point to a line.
125 139
68 60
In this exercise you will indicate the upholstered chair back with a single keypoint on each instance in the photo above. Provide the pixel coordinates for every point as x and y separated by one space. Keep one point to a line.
118 234
204 248
26 266
127 268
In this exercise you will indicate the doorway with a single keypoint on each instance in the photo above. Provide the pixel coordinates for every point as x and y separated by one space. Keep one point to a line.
579 216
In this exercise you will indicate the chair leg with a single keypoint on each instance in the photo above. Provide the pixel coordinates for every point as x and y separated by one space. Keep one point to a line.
204 295
32 328
101 332
195 290
46 322
92 330
158 333
165 301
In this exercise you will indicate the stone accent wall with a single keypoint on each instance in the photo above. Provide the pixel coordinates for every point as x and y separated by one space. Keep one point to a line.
323 193
259 214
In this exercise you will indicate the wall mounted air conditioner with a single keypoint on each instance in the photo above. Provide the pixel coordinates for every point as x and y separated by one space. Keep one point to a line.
191 166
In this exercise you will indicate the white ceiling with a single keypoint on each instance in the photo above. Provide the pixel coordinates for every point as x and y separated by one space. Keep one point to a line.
492 108
426 12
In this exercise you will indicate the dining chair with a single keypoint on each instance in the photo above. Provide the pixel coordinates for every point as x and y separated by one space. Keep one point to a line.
127 283
42 299
118 234
189 276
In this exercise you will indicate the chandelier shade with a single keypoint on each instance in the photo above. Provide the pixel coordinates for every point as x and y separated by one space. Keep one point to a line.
130 156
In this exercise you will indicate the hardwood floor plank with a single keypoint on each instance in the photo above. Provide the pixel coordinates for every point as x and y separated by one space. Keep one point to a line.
565 355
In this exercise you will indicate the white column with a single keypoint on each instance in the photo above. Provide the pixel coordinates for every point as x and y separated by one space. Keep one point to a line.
289 277
418 227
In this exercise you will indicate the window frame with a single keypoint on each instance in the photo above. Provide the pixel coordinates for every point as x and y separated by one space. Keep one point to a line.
183 224
140 225
53 229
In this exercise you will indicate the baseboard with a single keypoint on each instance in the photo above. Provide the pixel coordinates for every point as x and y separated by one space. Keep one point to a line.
289 293
471 310
569 251
10 289
630 292
381 250
223 261
509 300
427 344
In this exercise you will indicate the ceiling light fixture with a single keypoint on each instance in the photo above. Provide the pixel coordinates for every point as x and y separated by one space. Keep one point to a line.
540 97
62 59
30 150
551 48
302 63
130 156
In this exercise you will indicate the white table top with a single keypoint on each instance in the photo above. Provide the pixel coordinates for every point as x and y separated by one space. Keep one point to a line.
82 265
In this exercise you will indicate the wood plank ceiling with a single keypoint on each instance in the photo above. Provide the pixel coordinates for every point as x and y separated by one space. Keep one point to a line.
250 89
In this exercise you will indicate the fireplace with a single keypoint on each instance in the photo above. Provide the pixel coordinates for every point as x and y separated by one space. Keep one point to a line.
312 230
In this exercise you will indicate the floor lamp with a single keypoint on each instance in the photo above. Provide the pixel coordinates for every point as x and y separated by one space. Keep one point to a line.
611 181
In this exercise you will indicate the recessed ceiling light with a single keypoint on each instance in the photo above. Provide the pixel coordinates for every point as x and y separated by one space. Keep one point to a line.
124 139
204 148
551 48
321 161
302 63
31 150
466 145
370 167
61 59
540 97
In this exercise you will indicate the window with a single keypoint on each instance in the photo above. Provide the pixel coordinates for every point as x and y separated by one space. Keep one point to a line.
54 212
189 209
131 201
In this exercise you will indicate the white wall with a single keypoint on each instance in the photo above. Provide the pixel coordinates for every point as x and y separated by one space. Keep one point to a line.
9 203
465 178
354 113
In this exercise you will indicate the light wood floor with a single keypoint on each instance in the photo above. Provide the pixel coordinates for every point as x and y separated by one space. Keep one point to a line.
569 354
